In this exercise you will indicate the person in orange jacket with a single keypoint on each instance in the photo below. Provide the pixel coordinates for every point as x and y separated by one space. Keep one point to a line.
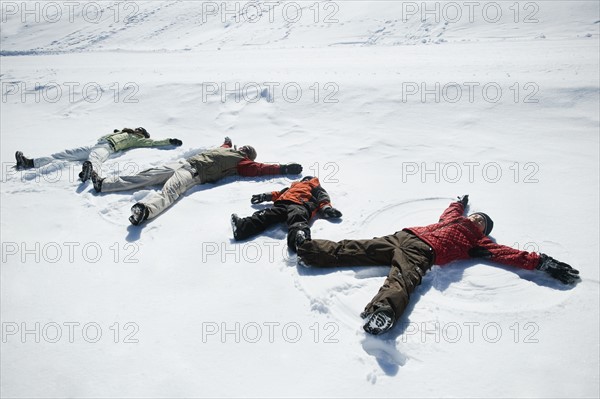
295 205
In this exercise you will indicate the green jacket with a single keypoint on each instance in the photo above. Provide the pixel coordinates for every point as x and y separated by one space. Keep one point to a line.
121 141
215 164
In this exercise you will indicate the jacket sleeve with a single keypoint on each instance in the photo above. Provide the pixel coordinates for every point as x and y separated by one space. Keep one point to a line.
250 168
456 209
160 143
320 195
144 142
505 255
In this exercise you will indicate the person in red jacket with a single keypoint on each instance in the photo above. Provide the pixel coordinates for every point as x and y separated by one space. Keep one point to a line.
178 177
411 253
295 205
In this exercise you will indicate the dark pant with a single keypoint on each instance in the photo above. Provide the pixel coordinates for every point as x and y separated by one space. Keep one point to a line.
408 256
296 216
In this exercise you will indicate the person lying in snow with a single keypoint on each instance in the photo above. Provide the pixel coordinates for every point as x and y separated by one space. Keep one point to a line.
178 177
94 156
411 253
295 205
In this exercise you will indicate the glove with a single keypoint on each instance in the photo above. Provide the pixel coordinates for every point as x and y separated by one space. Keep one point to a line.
228 141
290 169
558 270
258 198
330 212
479 252
175 142
464 200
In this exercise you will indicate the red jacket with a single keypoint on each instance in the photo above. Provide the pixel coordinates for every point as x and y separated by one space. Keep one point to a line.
456 237
249 168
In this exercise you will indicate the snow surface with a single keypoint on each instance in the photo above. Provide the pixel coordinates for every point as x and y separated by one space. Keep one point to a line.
183 311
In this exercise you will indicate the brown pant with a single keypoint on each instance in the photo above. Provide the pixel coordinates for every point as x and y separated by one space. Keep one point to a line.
409 257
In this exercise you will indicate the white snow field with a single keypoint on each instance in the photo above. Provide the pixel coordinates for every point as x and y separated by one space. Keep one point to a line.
397 107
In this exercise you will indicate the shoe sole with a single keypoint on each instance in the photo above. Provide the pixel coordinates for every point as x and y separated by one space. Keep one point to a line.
20 161
134 220
234 217
86 172
301 263
376 330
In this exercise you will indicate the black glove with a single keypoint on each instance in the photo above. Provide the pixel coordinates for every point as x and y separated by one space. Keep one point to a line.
258 198
558 270
464 200
290 169
176 142
330 212
228 141
479 252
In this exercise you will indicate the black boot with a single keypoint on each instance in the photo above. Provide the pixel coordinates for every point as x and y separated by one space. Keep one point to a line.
139 213
86 171
235 220
300 239
378 322
22 162
97 180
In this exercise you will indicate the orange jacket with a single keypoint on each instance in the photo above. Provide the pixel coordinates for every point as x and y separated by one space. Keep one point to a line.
307 192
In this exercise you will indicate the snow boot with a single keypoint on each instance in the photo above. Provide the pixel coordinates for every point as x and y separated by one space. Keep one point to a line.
378 322
139 213
22 162
300 238
235 221
97 180
86 171
302 263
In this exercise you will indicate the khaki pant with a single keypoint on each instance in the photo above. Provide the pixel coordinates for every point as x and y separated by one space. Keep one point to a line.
176 178
409 257
97 155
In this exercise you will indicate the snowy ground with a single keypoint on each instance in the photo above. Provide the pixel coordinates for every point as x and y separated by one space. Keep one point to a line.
396 112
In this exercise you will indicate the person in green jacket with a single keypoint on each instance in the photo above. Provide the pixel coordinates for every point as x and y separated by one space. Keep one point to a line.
94 156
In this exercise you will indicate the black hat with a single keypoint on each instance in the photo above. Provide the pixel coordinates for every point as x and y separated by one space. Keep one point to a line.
489 223
249 151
